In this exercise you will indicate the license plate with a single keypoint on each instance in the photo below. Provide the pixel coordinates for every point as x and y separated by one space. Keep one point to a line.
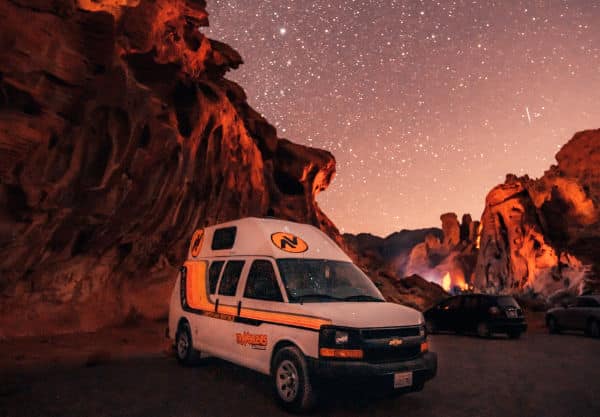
403 379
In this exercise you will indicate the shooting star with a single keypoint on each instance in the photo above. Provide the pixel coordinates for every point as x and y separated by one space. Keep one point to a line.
528 115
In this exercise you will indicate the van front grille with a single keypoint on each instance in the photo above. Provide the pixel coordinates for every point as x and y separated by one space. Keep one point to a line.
390 333
391 354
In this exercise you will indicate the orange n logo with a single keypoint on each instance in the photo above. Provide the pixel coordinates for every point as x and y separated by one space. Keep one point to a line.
289 242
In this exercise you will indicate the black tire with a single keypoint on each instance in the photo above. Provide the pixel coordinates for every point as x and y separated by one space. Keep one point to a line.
430 326
514 334
552 325
292 385
593 328
184 347
418 388
483 330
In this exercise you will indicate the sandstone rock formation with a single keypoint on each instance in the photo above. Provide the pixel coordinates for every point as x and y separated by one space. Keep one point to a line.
449 261
119 135
542 236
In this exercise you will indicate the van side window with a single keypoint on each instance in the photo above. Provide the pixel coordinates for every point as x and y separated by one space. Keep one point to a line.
224 238
213 275
230 278
261 283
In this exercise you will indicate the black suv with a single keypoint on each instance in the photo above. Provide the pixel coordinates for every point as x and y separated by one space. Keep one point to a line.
480 313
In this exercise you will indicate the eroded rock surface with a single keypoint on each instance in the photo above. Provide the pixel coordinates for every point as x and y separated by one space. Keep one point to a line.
386 261
543 236
449 260
119 135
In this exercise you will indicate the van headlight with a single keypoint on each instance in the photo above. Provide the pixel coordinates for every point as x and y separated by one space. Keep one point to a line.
331 336
422 331
340 343
341 337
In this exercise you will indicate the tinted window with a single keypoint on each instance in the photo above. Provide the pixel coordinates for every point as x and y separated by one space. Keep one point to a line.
586 302
507 302
230 278
223 238
213 275
451 304
262 283
455 303
471 303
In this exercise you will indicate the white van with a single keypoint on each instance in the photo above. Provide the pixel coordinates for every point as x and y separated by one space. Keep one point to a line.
283 299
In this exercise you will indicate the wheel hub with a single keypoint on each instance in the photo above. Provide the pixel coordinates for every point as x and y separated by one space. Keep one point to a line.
287 381
182 346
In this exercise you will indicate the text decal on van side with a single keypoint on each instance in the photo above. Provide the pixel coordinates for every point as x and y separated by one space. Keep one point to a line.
289 242
255 341
197 242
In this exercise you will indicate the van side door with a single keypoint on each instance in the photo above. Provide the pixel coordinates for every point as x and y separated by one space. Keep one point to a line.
226 299
262 290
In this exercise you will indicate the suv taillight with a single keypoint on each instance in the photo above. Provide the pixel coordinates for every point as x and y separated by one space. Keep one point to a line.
494 311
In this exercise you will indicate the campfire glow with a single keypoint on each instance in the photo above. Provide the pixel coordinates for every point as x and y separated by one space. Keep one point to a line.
448 283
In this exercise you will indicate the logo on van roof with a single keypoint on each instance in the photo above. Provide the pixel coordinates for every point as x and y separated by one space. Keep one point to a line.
289 242
197 240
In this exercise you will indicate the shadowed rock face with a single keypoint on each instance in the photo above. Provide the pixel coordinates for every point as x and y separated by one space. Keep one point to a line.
543 235
119 135
388 261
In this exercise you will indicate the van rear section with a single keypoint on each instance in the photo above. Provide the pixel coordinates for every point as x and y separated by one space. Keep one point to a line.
282 298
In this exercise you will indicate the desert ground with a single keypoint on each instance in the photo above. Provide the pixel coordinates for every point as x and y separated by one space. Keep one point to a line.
130 371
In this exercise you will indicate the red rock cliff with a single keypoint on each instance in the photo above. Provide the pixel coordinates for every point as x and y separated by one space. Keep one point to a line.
119 135
543 235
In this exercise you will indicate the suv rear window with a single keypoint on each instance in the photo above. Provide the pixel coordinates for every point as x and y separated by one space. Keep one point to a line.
230 278
224 238
507 301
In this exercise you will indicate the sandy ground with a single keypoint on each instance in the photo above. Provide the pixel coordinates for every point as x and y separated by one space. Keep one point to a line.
142 339
129 372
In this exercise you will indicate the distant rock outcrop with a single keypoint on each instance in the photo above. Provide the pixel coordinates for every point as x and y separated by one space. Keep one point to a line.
449 261
119 135
543 235
385 261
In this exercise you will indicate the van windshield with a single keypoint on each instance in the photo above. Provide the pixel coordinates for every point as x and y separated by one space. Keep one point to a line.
319 280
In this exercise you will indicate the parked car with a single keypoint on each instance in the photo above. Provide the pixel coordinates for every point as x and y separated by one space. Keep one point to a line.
283 299
481 313
581 314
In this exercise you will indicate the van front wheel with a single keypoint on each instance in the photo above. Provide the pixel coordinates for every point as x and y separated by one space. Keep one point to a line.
291 380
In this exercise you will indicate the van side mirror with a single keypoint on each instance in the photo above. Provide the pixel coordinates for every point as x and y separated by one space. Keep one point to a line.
379 285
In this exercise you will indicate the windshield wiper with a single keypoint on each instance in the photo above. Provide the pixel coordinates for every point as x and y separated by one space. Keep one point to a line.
363 297
303 297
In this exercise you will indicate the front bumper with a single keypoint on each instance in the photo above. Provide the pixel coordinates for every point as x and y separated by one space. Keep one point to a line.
506 326
423 368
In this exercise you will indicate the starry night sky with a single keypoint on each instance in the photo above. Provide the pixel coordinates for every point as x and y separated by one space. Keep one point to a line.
426 105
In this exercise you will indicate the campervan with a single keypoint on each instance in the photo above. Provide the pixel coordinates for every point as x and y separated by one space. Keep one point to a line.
283 299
